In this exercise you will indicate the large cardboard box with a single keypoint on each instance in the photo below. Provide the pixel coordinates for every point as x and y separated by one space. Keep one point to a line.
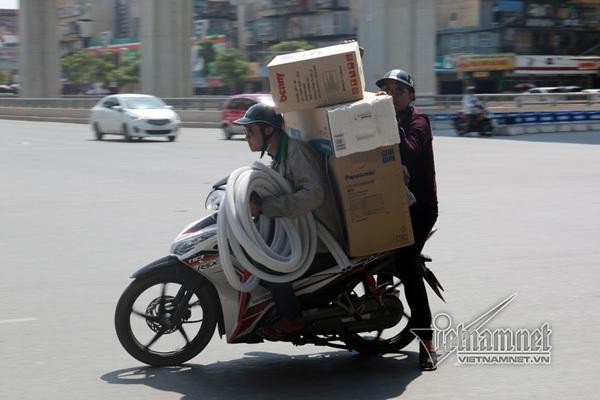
317 77
373 200
348 128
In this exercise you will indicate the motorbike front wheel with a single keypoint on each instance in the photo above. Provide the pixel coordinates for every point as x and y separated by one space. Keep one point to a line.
163 319
387 340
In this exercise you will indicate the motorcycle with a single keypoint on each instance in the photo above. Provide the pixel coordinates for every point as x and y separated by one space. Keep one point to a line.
169 312
479 122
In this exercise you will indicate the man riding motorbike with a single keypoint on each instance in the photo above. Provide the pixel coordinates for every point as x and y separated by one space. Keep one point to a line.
473 116
472 106
304 169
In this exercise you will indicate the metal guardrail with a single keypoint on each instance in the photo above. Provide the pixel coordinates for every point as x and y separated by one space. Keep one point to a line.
80 102
532 100
517 118
425 101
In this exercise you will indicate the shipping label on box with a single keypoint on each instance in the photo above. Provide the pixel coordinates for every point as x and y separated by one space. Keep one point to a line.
317 77
373 201
347 128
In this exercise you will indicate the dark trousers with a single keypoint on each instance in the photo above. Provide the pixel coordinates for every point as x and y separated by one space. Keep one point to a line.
286 302
411 270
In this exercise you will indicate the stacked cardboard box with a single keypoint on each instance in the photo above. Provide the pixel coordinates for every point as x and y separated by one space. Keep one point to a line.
321 95
318 77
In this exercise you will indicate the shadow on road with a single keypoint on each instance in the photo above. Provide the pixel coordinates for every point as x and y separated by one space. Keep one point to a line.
561 137
261 375
122 140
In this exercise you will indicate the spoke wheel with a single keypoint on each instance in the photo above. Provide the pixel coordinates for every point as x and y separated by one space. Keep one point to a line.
387 340
160 322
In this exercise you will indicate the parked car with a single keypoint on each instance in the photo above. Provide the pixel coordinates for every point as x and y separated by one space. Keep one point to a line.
553 89
235 107
593 94
542 91
134 116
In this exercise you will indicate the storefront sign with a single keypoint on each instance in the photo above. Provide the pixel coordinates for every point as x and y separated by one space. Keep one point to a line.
445 64
555 65
488 62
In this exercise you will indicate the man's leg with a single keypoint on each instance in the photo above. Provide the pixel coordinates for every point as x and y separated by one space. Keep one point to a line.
285 300
411 274
410 270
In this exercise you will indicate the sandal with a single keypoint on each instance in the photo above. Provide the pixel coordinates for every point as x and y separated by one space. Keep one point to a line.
427 360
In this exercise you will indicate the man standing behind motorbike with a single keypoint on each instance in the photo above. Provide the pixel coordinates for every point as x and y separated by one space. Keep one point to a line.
303 168
417 156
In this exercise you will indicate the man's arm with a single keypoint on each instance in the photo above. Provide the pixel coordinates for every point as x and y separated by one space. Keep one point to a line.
307 185
413 141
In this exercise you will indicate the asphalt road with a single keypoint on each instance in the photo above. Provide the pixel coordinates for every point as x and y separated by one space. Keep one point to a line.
77 217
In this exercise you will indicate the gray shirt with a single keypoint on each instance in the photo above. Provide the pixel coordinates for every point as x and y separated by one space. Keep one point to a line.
312 190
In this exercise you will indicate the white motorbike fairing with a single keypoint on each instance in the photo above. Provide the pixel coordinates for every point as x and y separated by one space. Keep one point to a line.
196 247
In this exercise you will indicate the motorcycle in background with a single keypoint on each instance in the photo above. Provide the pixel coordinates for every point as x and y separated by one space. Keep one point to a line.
479 121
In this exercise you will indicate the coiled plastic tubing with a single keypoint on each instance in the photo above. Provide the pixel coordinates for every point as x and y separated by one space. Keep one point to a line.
285 246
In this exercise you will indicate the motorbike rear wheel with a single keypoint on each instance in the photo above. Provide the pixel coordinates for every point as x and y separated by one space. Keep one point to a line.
388 340
147 322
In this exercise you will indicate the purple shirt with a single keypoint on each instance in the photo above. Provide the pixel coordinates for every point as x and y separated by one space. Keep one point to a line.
417 155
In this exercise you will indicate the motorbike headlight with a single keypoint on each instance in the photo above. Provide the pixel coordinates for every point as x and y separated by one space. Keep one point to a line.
186 245
214 199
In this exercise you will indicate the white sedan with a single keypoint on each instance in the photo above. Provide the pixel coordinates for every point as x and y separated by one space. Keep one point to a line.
134 116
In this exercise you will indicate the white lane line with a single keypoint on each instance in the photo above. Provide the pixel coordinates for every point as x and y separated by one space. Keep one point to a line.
11 321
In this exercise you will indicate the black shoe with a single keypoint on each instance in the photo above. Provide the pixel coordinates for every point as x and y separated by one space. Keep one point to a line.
427 360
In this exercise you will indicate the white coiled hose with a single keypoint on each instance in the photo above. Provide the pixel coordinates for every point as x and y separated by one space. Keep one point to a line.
286 247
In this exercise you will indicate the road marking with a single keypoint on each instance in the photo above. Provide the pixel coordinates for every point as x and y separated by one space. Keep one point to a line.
10 321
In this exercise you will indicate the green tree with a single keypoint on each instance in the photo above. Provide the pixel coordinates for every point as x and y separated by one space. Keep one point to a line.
287 47
84 67
103 69
208 54
128 73
78 68
232 68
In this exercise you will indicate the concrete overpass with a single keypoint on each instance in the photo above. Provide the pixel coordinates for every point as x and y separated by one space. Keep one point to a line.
396 34
166 31
399 34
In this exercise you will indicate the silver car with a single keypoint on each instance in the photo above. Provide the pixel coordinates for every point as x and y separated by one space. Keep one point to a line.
134 116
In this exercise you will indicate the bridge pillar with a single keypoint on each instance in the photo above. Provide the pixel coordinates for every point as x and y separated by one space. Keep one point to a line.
39 67
399 34
166 34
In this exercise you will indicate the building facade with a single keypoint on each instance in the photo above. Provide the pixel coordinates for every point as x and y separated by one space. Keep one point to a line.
9 46
502 45
253 26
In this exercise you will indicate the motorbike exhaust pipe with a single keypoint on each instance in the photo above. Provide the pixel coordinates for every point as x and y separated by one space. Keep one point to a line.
370 316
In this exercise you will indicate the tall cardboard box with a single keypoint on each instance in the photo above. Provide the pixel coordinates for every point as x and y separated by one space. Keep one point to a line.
317 77
373 200
343 129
